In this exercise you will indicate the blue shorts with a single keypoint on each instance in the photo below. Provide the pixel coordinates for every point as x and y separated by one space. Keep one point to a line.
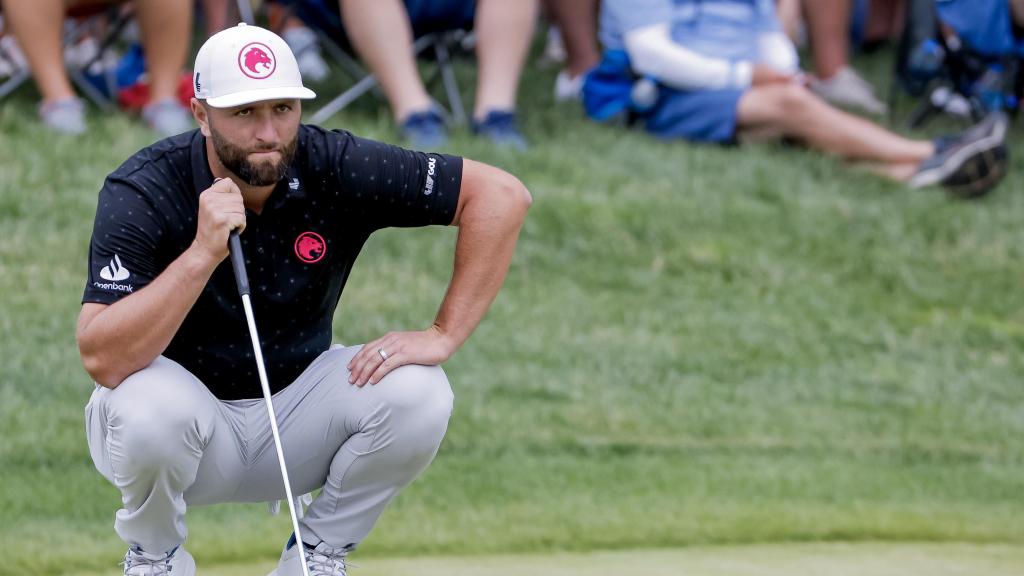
440 15
697 115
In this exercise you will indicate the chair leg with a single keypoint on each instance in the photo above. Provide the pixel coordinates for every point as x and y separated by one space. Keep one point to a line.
90 91
12 83
77 32
352 68
451 87
118 21
344 99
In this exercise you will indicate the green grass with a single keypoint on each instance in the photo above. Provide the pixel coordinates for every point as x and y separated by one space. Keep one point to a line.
695 345
861 559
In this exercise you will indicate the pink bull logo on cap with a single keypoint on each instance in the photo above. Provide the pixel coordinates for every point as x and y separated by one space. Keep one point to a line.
310 247
257 61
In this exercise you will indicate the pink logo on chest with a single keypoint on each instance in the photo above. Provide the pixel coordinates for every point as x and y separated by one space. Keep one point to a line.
310 247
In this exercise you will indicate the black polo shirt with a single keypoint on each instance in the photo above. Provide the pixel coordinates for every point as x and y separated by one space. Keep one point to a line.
299 250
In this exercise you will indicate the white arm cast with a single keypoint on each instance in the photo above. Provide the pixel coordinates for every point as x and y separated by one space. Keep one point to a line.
778 52
652 52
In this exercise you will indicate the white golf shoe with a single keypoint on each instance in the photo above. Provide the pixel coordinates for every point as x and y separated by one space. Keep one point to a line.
849 89
177 562
321 561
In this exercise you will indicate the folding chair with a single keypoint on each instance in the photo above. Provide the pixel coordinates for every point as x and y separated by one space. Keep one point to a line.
959 50
20 74
436 45
102 21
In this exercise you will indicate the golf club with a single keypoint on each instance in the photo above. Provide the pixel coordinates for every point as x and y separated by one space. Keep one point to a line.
242 280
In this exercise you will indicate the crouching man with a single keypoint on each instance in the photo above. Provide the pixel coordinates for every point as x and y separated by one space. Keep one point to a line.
177 418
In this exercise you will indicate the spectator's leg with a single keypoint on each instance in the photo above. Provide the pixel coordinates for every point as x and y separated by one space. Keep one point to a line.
277 15
577 21
37 25
504 30
828 25
1017 9
215 13
790 17
794 111
885 20
166 31
381 33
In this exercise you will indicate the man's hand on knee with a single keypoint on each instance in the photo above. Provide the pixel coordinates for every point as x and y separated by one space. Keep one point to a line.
429 347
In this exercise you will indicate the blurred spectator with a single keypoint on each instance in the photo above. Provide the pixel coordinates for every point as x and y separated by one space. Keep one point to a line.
718 70
576 24
166 30
381 32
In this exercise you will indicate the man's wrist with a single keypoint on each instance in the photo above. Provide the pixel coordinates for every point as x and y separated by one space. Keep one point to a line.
199 261
449 342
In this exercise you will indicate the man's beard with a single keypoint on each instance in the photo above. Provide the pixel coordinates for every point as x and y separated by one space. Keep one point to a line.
263 173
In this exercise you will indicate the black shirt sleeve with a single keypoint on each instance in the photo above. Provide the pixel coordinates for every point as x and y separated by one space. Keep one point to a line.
392 186
123 248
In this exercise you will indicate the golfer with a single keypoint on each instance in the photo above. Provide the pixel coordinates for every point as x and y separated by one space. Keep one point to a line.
177 418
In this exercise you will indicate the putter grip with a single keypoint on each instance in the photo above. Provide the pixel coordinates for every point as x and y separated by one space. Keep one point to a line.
238 263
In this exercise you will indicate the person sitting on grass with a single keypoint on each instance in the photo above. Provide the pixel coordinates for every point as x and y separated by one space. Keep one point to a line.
382 34
166 31
722 70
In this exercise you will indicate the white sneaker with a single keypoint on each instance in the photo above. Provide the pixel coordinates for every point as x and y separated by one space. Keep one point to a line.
167 117
312 65
177 562
321 561
568 88
306 47
950 102
848 89
65 116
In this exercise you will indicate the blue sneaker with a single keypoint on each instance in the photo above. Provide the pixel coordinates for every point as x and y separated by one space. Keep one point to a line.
971 164
424 130
501 128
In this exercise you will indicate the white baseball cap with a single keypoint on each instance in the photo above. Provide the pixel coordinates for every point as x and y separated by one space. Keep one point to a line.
246 64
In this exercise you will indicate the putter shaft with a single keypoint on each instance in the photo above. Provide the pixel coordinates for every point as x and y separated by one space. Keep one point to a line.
242 280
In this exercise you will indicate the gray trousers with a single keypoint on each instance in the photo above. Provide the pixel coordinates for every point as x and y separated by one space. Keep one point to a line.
166 442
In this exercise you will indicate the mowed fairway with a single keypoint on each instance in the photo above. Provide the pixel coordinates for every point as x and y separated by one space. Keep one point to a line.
866 559
696 347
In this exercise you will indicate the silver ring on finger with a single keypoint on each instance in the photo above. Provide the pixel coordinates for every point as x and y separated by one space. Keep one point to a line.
384 355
